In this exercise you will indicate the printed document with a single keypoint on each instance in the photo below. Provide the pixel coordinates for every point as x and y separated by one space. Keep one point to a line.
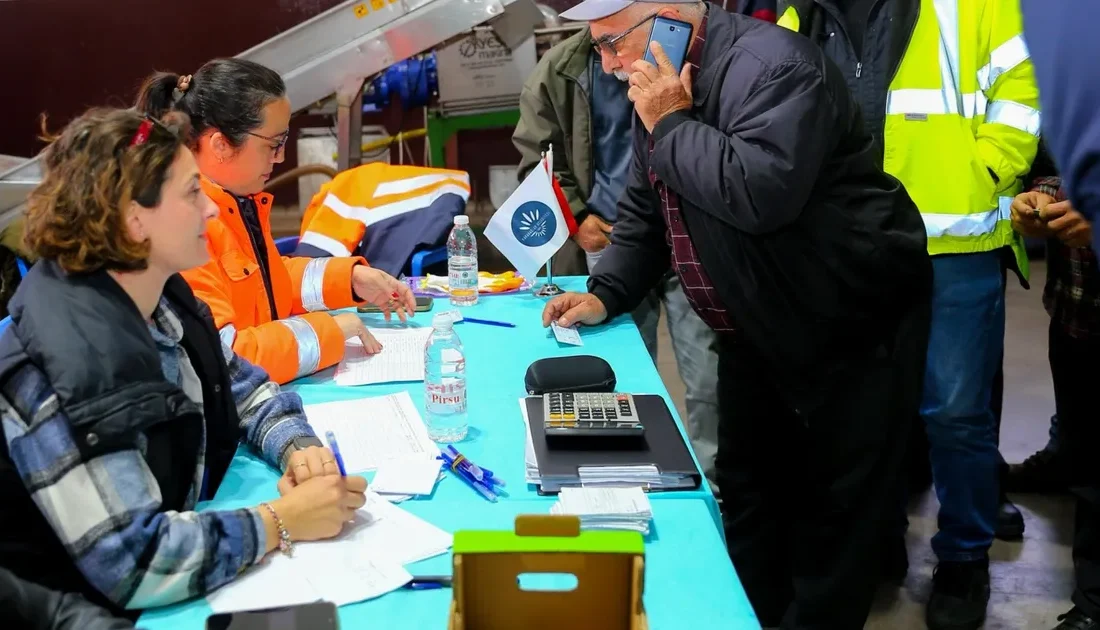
401 358
372 430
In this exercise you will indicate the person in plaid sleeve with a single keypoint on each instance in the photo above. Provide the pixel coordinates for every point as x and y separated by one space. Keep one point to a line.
1072 298
120 405
754 179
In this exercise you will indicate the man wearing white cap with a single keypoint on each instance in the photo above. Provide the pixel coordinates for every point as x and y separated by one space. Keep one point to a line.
754 180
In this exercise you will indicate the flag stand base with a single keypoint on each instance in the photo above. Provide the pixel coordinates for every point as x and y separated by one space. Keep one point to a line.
548 289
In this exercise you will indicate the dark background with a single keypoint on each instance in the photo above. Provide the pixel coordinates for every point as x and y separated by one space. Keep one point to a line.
59 57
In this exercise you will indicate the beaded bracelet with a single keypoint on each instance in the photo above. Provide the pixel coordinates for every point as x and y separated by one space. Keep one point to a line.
285 545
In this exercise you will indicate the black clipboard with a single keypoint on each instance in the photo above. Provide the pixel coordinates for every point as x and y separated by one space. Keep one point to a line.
664 447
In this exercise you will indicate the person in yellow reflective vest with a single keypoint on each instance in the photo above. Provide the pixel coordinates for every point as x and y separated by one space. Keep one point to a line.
948 91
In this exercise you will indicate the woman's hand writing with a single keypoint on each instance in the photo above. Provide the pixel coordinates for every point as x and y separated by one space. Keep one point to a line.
316 509
303 465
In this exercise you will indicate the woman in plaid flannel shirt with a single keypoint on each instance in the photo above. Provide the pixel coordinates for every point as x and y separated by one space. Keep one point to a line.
120 405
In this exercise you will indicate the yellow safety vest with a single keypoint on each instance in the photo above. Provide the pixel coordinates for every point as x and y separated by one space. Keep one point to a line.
964 100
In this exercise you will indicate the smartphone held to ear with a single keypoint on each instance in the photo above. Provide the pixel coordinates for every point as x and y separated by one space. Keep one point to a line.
674 37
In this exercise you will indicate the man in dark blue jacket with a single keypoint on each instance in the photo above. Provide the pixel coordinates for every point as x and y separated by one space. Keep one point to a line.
1061 36
754 179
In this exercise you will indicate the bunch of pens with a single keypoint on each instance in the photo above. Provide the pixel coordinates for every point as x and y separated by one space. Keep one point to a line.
480 479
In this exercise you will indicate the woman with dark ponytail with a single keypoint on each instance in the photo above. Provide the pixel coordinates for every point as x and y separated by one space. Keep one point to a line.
271 310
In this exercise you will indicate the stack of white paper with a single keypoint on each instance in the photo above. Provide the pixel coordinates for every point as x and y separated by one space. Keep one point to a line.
530 460
374 430
363 562
401 358
406 477
644 475
606 508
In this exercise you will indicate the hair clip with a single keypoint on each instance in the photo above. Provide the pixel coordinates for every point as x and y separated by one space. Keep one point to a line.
142 133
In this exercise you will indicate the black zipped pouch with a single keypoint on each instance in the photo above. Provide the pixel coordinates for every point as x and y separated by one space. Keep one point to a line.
582 373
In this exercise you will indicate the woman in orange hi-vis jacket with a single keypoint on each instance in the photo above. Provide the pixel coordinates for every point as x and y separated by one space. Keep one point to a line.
269 309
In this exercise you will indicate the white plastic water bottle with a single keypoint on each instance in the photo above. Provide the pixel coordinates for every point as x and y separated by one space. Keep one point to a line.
445 382
462 263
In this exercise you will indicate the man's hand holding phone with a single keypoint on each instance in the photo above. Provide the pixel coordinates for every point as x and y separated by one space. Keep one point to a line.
657 91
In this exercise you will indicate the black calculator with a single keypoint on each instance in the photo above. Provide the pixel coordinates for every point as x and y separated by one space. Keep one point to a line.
584 414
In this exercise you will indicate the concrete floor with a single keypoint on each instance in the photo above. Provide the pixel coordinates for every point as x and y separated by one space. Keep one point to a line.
1032 579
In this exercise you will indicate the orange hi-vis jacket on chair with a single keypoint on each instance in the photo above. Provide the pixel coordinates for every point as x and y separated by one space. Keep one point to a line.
384 212
293 341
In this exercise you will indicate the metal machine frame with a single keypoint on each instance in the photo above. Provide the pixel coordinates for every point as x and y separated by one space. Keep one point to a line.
335 52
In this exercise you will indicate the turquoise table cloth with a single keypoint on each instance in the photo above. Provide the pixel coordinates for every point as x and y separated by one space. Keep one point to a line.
690 582
496 362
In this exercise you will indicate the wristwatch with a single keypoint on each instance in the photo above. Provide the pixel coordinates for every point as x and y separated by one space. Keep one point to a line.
301 443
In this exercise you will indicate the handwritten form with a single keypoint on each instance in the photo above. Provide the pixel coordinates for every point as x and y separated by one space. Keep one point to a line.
373 430
401 358
363 562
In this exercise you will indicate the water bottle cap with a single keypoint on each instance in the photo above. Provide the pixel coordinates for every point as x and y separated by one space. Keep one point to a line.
442 321
462 220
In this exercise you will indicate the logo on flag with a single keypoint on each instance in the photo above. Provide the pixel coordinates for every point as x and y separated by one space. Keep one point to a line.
534 224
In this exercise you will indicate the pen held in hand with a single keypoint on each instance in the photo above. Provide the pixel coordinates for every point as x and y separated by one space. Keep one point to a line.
335 448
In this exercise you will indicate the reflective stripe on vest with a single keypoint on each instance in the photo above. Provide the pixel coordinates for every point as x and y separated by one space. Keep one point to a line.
313 285
309 346
974 224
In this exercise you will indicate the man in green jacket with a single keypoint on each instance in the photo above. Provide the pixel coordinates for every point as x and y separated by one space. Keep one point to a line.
570 102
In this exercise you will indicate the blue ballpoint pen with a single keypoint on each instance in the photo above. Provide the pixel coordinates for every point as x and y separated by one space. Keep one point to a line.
488 322
335 448
429 582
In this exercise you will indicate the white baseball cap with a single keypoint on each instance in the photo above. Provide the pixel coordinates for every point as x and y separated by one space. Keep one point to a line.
590 10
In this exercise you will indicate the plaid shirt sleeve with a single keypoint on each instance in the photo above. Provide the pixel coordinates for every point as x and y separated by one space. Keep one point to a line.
1050 186
270 418
106 510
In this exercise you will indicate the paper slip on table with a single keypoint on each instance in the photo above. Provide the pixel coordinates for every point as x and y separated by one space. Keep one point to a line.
689 577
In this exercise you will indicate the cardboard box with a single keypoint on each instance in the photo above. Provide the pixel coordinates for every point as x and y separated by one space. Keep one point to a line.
608 567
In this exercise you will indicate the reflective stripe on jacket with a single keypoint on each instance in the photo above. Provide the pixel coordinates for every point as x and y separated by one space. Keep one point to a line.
383 212
961 120
294 341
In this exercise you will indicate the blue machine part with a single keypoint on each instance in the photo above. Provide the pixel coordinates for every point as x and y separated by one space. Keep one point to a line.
412 80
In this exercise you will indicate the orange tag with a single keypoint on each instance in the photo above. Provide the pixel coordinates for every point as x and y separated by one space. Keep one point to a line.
377 5
361 10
